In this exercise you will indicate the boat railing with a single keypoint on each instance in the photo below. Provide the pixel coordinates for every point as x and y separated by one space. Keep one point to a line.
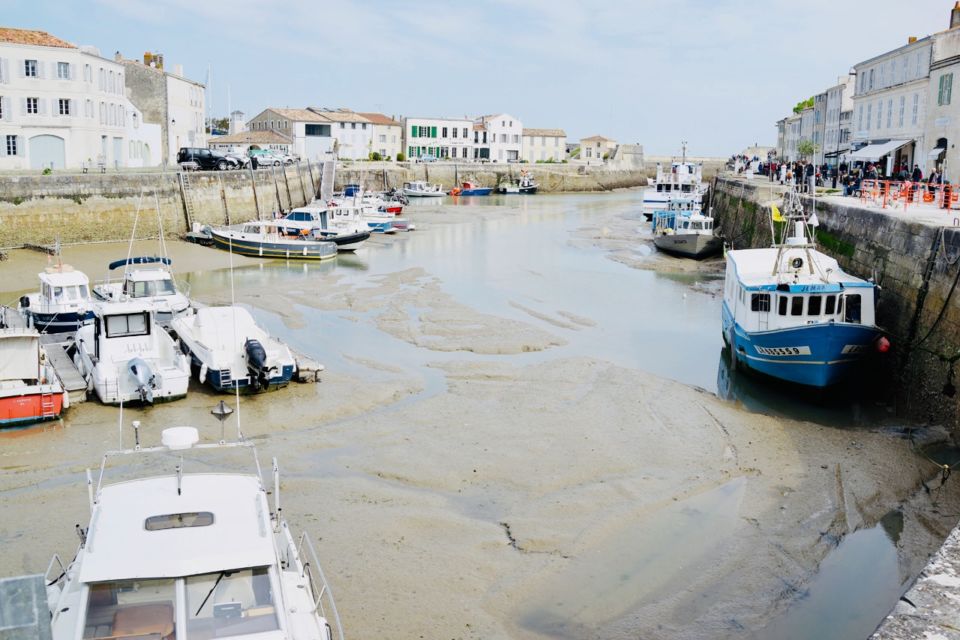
324 594
55 564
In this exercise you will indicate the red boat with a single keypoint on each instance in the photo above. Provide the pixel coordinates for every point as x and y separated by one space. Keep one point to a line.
30 390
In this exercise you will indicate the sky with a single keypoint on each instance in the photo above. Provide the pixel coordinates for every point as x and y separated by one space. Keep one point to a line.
715 73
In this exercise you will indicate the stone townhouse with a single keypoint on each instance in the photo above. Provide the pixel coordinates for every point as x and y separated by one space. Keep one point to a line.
386 136
595 149
542 145
446 138
352 133
498 138
63 106
307 134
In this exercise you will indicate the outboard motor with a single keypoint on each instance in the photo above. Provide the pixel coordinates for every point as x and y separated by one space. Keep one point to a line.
257 367
145 378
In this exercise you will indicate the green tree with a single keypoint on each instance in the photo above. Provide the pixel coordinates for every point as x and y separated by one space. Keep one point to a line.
807 148
375 156
401 157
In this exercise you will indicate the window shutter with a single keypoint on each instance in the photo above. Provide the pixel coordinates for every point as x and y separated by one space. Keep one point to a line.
23 106
41 106
20 73
433 132
40 66
54 107
413 132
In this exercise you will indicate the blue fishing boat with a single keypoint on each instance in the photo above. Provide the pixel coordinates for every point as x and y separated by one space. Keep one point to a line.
792 313
471 189
63 303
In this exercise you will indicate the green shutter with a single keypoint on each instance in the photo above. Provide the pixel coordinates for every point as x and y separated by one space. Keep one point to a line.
433 132
413 132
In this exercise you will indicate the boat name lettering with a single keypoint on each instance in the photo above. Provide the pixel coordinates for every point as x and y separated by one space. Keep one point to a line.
783 351
815 287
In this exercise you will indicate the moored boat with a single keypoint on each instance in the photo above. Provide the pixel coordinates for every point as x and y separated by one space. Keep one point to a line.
229 351
421 189
148 279
524 185
792 313
125 356
63 303
30 390
175 552
471 189
684 231
342 226
266 240
683 180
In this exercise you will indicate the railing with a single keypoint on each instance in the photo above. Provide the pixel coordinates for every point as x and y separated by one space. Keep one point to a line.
308 568
63 571
896 194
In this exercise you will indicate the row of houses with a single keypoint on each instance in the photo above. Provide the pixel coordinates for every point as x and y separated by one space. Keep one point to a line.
67 106
895 109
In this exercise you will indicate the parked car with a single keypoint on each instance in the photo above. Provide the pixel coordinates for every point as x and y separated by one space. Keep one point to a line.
427 158
266 158
200 158
237 161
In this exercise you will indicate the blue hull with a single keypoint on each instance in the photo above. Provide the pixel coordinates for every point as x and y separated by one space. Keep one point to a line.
482 191
58 322
380 227
817 355
282 380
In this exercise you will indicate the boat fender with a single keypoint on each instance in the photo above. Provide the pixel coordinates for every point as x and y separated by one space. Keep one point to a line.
25 302
203 374
883 344
66 399
797 263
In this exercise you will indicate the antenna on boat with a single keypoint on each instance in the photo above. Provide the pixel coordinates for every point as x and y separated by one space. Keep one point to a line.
221 412
90 488
276 493
136 435
180 477
133 234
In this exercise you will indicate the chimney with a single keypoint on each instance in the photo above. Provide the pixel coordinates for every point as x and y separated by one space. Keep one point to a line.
117 56
178 70
955 15
911 39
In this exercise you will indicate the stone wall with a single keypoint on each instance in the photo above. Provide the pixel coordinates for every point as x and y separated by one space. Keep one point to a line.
917 266
98 207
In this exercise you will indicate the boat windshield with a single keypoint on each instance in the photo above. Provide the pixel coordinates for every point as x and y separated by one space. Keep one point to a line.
230 603
148 288
70 293
131 608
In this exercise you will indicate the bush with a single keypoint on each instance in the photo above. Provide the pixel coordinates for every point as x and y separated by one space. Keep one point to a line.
401 157
375 156
47 171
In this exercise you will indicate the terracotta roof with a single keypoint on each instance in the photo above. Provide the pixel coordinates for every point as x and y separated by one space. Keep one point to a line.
298 115
252 137
597 139
339 116
36 38
550 133
478 127
379 118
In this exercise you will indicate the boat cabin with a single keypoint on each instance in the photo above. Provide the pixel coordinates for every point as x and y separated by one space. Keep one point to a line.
759 302
62 286
127 326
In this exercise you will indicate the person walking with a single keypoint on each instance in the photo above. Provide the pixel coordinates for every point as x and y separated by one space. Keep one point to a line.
253 161
917 175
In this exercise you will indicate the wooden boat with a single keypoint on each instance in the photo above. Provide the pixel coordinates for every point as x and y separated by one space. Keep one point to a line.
471 189
30 390
266 240
421 189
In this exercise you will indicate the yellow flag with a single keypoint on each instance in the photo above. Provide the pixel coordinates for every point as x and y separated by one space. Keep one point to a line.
777 217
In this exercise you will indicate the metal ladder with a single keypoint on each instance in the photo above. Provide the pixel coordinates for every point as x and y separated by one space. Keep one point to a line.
186 191
48 408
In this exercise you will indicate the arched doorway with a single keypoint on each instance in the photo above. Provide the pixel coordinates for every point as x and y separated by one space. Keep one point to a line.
146 155
47 151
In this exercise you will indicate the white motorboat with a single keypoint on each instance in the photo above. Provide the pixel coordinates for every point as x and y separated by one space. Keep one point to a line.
229 350
126 356
174 553
63 303
343 227
268 240
148 279
682 180
372 212
421 189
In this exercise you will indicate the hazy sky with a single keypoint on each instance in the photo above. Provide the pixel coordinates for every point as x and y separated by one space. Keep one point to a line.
717 73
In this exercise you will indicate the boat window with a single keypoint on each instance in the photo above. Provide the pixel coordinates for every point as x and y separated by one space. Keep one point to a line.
46 290
851 308
760 302
782 305
178 521
796 306
141 608
84 292
230 603
58 293
132 324
813 306
831 305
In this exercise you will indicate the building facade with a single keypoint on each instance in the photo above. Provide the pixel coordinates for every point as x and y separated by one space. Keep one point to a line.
836 138
782 139
352 133
942 128
792 137
387 135
595 149
241 143
889 106
308 135
446 138
63 106
169 100
503 141
544 145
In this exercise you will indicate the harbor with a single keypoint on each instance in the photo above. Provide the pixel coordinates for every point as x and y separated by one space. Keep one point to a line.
648 474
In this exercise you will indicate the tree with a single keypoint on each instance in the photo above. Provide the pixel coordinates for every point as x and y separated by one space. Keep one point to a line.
218 124
375 156
401 157
803 104
807 148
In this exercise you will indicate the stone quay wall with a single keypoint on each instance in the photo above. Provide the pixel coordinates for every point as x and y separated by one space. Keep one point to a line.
37 210
917 266
94 207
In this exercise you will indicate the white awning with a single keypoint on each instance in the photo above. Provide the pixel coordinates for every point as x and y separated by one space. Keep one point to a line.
936 152
877 151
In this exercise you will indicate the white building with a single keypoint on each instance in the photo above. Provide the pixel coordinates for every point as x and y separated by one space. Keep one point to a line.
308 135
942 128
807 119
889 106
170 100
449 138
782 139
595 149
387 135
62 106
544 145
792 138
504 138
352 133
836 136
240 143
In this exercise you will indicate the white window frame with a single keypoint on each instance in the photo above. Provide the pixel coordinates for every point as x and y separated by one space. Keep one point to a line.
31 69
35 104
63 107
63 70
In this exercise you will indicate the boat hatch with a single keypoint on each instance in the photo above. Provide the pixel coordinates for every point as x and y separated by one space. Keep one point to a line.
226 603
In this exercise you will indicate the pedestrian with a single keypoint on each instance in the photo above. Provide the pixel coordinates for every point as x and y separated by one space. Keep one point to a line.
917 175
253 161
